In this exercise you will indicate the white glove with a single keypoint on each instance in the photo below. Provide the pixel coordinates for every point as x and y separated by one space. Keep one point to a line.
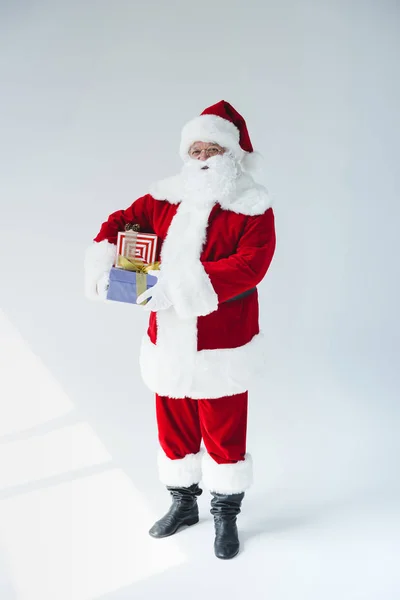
159 295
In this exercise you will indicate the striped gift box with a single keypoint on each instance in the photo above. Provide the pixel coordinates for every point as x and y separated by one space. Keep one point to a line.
137 246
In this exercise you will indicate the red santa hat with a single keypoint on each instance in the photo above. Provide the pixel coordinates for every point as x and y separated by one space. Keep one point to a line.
223 125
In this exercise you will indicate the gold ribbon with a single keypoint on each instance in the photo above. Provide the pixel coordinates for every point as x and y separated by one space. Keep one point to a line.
141 269
128 264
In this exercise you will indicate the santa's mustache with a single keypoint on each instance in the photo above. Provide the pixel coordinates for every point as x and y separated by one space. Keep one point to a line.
221 162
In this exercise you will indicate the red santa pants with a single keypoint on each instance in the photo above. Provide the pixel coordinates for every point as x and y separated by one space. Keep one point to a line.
222 425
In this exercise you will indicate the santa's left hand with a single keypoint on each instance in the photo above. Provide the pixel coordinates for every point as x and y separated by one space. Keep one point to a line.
158 293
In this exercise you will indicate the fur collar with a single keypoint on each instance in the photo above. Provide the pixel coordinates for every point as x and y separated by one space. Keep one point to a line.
250 198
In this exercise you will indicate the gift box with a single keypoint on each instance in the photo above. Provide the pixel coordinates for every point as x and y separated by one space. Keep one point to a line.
126 286
136 254
136 246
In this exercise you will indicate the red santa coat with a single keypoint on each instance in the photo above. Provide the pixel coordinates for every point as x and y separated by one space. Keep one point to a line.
208 344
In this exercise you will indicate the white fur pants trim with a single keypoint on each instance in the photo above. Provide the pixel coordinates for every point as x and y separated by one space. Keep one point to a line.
181 472
227 478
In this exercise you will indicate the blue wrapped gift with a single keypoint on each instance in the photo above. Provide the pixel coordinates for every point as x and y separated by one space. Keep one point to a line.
123 285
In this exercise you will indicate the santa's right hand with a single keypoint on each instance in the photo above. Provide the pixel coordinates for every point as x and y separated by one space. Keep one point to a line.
103 285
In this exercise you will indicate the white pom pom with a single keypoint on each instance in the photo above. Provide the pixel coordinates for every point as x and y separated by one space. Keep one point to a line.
252 162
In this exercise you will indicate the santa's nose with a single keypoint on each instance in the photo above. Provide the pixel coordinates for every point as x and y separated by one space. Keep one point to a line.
203 155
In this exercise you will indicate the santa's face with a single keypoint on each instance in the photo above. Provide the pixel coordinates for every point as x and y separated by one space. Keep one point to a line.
209 173
205 150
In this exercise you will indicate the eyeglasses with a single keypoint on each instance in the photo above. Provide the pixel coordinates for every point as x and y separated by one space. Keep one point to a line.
210 151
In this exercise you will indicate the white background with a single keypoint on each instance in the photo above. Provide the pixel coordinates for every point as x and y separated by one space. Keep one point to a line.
93 97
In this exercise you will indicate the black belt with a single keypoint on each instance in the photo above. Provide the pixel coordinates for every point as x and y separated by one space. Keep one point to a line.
242 295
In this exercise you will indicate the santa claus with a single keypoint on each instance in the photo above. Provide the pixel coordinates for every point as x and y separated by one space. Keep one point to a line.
203 346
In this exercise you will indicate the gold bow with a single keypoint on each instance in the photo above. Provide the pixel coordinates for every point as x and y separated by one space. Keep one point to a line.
129 264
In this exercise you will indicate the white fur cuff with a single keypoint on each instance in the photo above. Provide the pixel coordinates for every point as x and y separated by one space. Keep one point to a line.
99 258
182 472
227 478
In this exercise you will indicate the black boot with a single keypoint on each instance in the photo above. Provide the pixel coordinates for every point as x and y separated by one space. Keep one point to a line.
225 509
183 511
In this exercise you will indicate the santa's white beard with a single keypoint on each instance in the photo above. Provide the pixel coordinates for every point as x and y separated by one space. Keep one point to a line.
207 186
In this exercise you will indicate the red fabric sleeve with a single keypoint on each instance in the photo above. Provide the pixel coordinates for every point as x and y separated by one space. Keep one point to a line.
138 212
247 267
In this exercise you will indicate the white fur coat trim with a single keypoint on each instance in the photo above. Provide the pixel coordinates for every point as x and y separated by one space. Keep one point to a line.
227 478
174 367
189 286
249 199
182 472
99 258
